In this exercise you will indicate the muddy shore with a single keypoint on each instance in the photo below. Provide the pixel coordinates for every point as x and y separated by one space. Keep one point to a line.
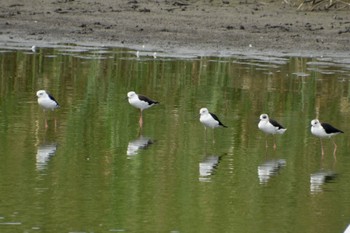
212 26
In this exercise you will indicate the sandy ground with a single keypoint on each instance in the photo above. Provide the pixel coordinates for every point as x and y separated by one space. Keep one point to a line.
213 26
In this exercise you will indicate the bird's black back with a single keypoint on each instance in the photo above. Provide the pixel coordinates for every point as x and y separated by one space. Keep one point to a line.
148 100
52 98
217 119
330 129
276 124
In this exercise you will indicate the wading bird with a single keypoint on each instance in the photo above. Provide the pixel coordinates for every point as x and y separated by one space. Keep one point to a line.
47 102
270 126
141 102
209 120
324 130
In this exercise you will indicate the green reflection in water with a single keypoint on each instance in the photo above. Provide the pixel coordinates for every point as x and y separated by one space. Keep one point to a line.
96 171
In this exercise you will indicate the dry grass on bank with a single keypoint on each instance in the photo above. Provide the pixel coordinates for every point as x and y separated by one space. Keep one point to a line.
320 5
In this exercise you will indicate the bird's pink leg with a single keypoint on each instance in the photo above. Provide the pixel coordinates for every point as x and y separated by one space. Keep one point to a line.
141 120
45 119
274 142
322 151
213 136
335 150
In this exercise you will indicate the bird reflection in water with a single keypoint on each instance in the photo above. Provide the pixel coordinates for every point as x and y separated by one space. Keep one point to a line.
43 155
270 168
319 178
137 144
207 167
323 176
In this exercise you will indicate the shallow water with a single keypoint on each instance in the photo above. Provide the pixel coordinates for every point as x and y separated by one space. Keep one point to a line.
95 170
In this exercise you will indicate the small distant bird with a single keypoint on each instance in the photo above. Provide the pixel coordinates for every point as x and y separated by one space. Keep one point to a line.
209 120
33 48
270 126
155 55
137 54
324 130
46 101
141 102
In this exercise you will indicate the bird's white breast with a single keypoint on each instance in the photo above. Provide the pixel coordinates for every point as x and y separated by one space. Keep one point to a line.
267 127
208 121
137 103
319 132
47 103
